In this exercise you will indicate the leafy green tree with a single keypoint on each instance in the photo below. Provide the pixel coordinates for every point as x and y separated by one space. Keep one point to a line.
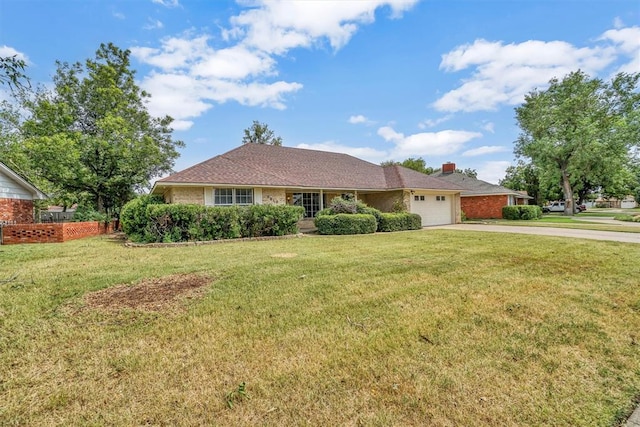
417 164
259 133
580 130
523 177
92 133
12 72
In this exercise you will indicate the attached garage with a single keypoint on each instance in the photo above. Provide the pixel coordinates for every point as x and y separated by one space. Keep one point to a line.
435 209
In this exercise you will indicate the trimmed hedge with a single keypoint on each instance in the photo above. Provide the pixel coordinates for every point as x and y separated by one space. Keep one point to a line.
134 219
270 220
346 224
399 222
521 212
183 222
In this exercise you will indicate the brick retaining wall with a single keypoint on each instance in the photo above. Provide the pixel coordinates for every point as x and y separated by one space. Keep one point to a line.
52 233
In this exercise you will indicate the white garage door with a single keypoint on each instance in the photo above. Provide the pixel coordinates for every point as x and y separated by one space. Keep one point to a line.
434 209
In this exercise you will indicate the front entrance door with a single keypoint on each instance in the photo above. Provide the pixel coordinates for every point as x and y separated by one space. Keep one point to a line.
309 201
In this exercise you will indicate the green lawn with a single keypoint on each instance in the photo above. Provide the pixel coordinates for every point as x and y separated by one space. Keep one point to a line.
412 328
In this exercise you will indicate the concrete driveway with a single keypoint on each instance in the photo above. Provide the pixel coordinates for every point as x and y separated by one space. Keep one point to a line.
614 236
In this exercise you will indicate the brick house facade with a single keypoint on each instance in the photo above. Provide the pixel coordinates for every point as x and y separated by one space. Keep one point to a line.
16 197
481 199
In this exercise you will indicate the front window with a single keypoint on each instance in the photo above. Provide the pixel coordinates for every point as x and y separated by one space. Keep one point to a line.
233 196
244 196
223 196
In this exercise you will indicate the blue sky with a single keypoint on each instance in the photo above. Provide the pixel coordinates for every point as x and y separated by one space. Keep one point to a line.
377 79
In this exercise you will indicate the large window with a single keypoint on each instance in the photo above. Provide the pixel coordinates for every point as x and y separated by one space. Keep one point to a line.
233 196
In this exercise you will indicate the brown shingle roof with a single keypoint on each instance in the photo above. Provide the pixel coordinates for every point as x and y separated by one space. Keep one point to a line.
473 186
268 165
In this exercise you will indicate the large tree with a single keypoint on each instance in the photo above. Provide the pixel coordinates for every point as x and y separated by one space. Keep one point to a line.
580 130
524 177
420 165
92 133
12 72
259 133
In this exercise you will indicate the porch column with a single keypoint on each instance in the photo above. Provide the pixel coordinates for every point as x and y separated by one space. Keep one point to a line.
321 199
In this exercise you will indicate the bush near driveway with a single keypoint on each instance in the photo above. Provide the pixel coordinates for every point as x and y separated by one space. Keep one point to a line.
521 212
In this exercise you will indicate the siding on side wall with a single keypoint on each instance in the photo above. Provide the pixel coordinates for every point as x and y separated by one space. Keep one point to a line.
10 189
16 210
479 207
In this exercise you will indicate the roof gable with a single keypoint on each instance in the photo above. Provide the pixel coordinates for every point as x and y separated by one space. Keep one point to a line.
19 182
473 186
268 165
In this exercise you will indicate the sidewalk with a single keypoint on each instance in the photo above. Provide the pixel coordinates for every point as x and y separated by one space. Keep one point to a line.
634 419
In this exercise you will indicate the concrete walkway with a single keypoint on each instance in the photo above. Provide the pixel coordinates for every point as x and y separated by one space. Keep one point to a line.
613 236
634 419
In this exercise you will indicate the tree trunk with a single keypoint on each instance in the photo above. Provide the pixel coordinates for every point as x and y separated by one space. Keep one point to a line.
568 193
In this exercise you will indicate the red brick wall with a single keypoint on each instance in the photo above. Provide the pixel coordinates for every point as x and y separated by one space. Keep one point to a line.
16 210
477 207
52 233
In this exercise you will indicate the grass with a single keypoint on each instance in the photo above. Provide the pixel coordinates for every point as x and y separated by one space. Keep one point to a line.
412 328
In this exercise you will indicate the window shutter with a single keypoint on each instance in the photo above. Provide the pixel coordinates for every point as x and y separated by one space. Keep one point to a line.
257 196
208 196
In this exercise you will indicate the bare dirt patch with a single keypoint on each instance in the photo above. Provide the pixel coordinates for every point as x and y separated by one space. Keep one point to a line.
149 294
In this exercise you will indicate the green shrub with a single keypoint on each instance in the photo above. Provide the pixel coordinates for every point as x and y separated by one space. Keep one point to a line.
87 213
627 217
270 220
521 212
399 222
183 222
346 224
133 216
175 223
339 205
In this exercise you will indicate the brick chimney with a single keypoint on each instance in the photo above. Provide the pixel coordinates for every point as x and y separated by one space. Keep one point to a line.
448 167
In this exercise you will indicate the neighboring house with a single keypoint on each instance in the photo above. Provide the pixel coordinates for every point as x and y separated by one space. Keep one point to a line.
16 197
628 202
267 174
481 199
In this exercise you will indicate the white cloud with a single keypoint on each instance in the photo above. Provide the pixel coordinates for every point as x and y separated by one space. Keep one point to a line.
429 123
167 3
427 143
503 73
359 119
493 171
617 22
627 41
118 15
485 149
6 51
153 25
191 75
276 26
489 127
366 153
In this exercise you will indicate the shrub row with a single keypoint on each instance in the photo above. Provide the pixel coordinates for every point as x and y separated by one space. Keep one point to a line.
343 223
627 217
150 220
351 220
399 222
523 212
